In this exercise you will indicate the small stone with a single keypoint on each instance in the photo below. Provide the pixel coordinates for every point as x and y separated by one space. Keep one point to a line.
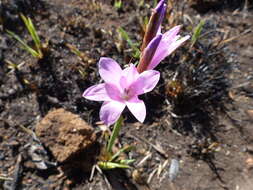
174 169
250 114
69 138
249 149
249 162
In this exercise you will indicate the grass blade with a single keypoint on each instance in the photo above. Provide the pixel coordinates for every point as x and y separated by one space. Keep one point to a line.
133 46
197 32
155 3
125 149
23 44
30 27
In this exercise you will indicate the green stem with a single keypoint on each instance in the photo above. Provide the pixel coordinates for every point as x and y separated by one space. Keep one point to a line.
114 135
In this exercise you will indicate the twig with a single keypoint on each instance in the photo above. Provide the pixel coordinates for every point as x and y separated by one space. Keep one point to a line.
18 66
150 177
234 37
104 176
30 132
2 177
158 149
92 172
162 167
246 6
17 173
144 159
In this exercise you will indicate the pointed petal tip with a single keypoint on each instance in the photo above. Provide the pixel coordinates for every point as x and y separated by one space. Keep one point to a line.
187 37
137 108
142 119
160 6
105 60
111 111
96 93
84 94
109 70
173 31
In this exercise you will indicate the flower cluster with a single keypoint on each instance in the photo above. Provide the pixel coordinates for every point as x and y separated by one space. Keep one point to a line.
122 87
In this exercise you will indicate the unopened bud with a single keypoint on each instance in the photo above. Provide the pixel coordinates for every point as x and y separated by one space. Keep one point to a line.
154 23
148 53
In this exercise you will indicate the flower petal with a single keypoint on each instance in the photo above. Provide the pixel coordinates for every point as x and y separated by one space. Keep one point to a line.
148 53
129 75
109 70
113 92
166 46
137 108
110 111
177 43
159 31
96 93
145 82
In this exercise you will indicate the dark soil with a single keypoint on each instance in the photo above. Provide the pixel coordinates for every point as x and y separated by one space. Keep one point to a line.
203 118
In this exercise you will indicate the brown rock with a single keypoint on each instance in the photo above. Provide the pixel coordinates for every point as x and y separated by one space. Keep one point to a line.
249 162
250 114
70 139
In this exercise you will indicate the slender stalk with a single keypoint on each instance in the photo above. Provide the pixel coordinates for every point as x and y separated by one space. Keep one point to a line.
115 134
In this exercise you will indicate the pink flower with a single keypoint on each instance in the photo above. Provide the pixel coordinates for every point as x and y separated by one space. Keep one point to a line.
121 89
170 41
162 45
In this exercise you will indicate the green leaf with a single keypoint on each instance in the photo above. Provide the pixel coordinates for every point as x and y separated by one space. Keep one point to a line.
155 3
127 161
117 4
111 165
133 46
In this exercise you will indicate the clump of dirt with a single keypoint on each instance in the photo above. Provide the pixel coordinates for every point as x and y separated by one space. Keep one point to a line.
68 138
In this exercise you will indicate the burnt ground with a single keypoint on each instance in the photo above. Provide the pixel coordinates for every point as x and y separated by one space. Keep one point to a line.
206 124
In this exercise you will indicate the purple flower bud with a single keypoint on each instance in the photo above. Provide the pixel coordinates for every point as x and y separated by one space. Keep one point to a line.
154 23
148 54
159 48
